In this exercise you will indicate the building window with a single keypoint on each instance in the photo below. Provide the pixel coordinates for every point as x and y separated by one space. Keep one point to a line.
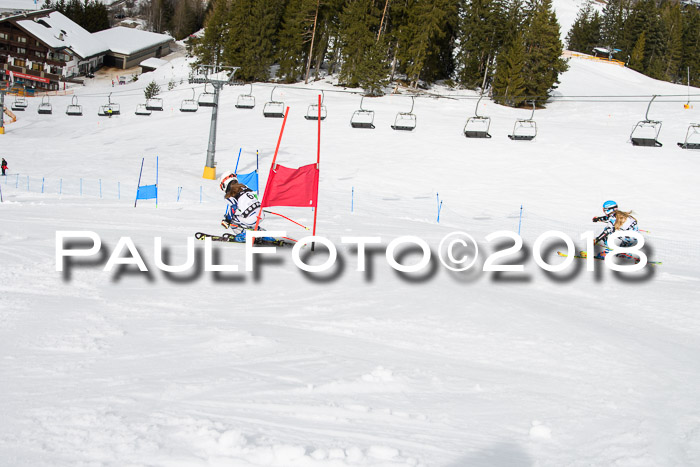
3 36
39 54
21 50
38 66
20 62
22 40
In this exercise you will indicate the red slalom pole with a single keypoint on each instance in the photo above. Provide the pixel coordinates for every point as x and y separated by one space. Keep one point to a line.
272 167
318 168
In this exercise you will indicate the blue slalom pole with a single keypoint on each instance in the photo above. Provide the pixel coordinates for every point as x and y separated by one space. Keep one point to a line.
139 183
119 190
200 194
100 180
179 190
352 200
439 203
42 184
81 187
237 160
257 168
521 218
60 187
156 182
27 182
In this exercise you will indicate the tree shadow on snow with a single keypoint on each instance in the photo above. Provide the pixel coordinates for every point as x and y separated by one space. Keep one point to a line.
499 455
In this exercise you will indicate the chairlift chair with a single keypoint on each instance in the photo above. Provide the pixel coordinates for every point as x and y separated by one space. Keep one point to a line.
273 108
362 118
45 107
525 129
478 125
142 109
206 99
104 110
20 103
246 101
405 121
74 108
189 105
692 137
154 103
646 132
312 111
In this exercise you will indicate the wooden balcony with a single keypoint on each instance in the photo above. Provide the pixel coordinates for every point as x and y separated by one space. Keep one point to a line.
29 72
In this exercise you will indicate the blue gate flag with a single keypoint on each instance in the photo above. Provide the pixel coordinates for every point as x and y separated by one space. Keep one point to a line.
249 179
147 192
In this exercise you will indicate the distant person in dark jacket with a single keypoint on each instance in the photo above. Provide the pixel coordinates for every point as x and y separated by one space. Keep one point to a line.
3 165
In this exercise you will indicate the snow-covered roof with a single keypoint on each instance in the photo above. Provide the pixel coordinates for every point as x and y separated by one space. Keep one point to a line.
153 62
606 50
57 31
128 41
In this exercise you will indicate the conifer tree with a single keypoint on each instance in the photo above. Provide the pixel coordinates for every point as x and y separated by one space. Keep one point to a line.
691 46
210 48
584 34
673 46
251 40
637 55
427 24
481 35
152 90
373 70
359 23
543 50
612 25
294 37
508 82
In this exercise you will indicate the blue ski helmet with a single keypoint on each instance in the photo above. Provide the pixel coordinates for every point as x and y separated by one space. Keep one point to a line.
609 206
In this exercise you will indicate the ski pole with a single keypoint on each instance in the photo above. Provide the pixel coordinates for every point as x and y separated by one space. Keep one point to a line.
285 217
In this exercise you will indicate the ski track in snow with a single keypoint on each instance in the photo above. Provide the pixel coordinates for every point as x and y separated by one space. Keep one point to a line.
372 369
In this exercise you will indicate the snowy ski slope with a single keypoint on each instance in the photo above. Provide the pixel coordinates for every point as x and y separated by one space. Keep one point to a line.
281 368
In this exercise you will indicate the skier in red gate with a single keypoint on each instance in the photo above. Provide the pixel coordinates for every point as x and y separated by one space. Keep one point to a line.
244 206
3 165
618 220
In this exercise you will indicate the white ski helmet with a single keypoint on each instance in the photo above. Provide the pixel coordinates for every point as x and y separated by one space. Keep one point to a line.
225 179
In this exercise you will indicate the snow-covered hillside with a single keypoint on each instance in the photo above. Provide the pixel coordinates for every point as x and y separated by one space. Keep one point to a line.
282 368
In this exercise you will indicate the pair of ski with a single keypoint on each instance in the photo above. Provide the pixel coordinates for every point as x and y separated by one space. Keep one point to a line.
584 255
262 241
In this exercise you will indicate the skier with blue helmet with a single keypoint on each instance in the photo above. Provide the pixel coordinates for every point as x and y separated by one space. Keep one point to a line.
618 220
